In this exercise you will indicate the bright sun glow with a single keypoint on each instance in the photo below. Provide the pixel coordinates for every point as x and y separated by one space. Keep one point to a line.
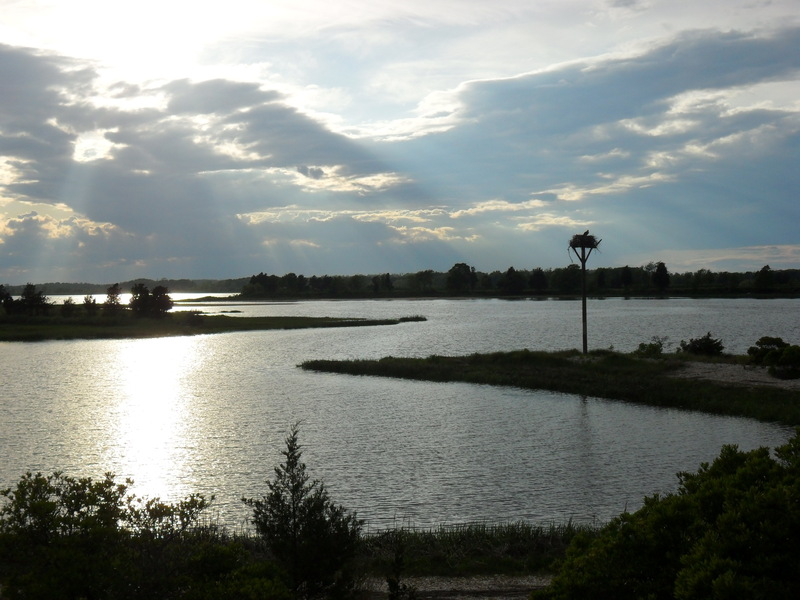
92 146
155 435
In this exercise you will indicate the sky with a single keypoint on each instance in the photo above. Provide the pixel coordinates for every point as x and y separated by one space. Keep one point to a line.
184 139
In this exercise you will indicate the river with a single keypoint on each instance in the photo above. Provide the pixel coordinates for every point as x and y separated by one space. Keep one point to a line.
208 414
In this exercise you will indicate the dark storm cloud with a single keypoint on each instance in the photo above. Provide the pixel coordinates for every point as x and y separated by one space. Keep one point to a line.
33 88
36 88
584 94
215 96
288 138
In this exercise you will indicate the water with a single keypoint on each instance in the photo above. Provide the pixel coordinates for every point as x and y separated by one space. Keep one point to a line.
208 414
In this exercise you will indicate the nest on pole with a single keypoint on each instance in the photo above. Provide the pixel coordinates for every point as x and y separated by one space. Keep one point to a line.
584 240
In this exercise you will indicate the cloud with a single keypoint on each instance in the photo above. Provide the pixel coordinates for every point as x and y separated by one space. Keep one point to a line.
216 96
311 172
687 144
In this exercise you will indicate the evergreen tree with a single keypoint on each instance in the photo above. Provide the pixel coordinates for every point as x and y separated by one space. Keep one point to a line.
314 539
661 277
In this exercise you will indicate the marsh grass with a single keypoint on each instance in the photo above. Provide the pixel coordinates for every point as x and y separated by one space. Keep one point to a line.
516 548
601 373
123 324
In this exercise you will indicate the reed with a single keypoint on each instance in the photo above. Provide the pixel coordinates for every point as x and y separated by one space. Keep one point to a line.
513 548
601 373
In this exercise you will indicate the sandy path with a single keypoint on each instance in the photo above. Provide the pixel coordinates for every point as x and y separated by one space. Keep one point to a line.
736 374
497 587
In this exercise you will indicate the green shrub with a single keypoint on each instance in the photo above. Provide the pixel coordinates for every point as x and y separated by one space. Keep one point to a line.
730 531
787 364
782 359
312 538
764 347
66 537
704 346
655 349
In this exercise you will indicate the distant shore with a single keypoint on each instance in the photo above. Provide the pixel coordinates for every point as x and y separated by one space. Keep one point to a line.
125 325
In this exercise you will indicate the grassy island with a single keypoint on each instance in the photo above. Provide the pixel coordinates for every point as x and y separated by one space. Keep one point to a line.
128 325
602 374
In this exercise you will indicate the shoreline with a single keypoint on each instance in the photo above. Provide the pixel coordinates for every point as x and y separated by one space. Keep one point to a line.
725 387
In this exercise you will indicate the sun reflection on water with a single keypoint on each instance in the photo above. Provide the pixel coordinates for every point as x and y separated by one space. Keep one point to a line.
153 416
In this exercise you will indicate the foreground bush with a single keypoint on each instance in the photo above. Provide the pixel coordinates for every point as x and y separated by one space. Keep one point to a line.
730 531
65 537
312 538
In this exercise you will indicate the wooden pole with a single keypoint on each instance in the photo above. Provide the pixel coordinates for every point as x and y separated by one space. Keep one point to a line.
584 257
586 243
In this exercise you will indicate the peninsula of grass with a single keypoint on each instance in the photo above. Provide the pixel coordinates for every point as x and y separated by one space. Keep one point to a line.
601 374
126 325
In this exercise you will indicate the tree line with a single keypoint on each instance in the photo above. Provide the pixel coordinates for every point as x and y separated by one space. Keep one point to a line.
463 279
60 288
143 302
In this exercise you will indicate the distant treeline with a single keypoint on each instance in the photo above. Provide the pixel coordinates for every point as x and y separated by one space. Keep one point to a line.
217 286
464 280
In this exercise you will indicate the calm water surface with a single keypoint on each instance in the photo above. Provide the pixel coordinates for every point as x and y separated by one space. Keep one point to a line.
208 413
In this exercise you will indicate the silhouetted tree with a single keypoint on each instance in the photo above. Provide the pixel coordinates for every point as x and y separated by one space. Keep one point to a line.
382 283
461 278
567 280
512 282
112 303
160 301
33 301
6 301
600 278
146 303
626 277
314 539
356 284
90 305
140 299
68 307
422 281
660 277
538 281
764 279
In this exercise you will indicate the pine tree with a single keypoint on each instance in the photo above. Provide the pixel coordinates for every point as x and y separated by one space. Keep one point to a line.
314 539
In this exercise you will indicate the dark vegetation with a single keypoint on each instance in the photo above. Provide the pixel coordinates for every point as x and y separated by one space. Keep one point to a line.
314 540
517 548
645 376
125 325
781 358
32 317
652 279
215 286
703 346
729 531
462 279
